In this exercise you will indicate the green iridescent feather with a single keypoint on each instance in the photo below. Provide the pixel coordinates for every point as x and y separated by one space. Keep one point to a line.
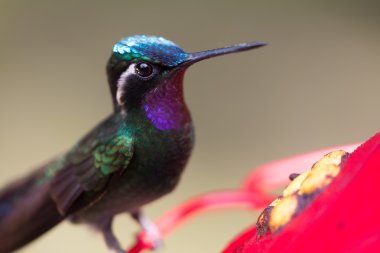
112 156
89 165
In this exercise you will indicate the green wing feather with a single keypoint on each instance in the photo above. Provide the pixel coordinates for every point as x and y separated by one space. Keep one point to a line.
115 154
90 164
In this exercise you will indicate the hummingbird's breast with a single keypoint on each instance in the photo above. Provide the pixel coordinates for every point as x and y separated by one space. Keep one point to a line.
162 144
161 157
164 136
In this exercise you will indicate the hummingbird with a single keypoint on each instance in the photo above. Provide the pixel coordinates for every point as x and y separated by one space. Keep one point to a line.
134 156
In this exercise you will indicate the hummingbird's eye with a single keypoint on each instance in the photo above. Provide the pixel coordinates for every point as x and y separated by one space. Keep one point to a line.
144 69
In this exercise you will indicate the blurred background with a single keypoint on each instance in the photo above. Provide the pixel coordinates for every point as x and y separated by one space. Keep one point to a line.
315 85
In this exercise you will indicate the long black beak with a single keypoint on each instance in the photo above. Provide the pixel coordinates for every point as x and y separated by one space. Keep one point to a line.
199 56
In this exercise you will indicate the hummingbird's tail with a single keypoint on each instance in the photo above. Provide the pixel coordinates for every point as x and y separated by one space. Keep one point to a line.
26 212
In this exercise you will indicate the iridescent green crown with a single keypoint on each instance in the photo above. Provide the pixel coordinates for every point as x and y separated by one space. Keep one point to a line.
150 48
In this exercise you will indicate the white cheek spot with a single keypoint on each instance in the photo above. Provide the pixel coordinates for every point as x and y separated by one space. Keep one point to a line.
121 83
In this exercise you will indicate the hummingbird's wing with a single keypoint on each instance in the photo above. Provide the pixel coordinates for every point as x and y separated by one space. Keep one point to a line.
88 168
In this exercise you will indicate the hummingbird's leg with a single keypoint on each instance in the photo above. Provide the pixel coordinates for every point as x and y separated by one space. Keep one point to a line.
149 227
106 228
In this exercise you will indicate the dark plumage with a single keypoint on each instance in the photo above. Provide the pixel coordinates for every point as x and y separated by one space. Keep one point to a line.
133 157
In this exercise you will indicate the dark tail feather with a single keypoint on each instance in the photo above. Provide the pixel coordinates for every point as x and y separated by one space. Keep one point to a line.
26 212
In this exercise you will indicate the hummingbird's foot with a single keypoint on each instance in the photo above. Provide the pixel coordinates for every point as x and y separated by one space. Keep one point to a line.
151 230
112 243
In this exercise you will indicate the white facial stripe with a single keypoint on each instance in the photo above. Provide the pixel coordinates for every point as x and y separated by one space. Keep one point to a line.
121 83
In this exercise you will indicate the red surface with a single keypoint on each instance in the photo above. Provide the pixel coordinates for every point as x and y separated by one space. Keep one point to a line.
344 218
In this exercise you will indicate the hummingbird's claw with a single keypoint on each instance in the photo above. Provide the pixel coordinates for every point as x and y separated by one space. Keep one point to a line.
151 233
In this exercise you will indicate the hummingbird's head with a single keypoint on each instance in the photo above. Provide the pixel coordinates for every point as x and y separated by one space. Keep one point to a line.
142 64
